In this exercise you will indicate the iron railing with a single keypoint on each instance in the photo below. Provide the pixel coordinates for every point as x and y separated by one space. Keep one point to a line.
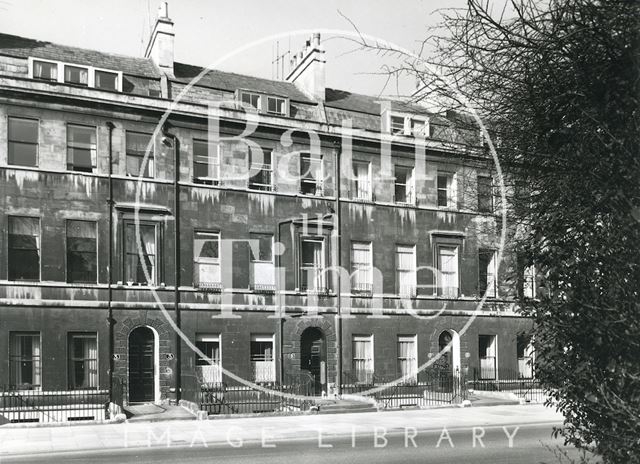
228 397
430 387
521 384
53 406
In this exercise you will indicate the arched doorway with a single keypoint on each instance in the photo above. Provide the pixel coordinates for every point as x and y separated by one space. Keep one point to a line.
313 357
449 342
142 365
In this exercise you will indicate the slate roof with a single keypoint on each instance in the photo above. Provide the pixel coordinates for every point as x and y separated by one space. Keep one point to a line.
339 100
229 81
20 47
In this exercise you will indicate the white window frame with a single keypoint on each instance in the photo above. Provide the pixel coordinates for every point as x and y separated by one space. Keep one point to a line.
407 124
90 70
369 362
365 286
412 291
492 347
265 372
262 167
267 265
70 358
197 260
529 282
214 151
409 185
491 285
242 93
320 269
356 189
213 369
20 334
451 190
412 376
94 154
155 275
440 288
317 182
271 98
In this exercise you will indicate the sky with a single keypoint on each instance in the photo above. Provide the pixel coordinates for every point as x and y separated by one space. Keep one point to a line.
208 30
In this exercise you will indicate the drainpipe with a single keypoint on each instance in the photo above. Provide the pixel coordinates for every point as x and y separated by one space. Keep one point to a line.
110 126
337 182
176 248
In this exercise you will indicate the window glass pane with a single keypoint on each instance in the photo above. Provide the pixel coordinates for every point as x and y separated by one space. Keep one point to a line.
261 247
22 154
137 143
106 80
251 99
485 194
397 124
24 248
24 358
81 251
207 245
45 70
76 75
83 361
134 266
23 130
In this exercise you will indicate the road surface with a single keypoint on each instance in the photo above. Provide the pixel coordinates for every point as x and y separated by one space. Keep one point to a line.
526 444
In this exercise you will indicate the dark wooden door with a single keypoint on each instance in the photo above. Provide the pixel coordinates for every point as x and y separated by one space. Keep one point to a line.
313 358
141 365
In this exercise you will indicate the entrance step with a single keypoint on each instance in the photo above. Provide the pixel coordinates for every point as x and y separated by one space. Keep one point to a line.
338 406
150 412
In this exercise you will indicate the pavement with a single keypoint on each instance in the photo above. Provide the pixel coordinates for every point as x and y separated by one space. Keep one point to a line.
234 431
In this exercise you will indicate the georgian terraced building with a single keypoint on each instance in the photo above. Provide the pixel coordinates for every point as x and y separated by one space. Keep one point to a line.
82 282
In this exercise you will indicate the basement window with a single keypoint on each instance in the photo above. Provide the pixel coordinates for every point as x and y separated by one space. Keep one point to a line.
83 361
208 370
262 358
24 360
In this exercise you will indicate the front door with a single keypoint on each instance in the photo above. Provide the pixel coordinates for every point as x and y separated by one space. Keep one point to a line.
141 365
314 358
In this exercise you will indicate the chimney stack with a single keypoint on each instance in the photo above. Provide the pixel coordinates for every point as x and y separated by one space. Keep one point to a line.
160 46
308 70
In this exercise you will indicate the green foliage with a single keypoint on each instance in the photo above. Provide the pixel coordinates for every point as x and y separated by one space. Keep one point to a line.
560 85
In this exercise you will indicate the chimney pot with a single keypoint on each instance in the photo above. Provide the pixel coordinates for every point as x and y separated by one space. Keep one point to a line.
308 68
163 10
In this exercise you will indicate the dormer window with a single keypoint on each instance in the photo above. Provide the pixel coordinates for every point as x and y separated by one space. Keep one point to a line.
263 103
397 124
64 73
106 80
76 75
251 99
406 124
45 70
276 105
